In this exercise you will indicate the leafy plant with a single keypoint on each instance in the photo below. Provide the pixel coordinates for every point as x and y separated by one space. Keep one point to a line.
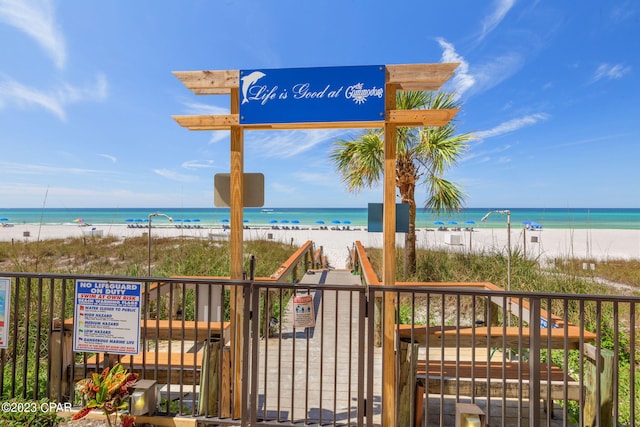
107 391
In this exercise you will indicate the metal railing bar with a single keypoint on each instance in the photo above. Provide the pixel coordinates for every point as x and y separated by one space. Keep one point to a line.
362 300
280 297
322 304
565 361
255 321
335 359
632 361
581 362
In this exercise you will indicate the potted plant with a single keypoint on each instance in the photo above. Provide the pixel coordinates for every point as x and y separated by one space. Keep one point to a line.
107 391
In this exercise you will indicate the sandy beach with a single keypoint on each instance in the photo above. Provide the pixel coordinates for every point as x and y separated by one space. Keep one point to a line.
545 244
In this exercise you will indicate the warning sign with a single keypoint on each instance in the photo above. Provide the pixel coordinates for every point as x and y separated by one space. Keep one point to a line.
107 317
303 312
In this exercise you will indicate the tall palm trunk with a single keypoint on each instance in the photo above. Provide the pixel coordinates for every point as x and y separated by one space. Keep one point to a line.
406 181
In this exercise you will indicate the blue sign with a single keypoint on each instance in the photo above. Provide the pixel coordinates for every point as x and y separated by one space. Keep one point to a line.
303 95
375 218
107 317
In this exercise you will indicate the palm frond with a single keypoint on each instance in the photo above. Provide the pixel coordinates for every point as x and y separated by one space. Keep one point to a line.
445 196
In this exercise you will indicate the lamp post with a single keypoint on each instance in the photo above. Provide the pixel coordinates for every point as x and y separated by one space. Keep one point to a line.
508 213
149 237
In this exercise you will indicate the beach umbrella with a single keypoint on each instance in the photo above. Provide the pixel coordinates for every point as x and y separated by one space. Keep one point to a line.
224 220
295 221
78 220
195 220
470 222
177 220
245 220
4 219
346 221
285 221
453 223
320 222
129 220
186 220
273 221
335 221
438 222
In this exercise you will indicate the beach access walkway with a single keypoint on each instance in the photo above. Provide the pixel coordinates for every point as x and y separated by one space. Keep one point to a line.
312 375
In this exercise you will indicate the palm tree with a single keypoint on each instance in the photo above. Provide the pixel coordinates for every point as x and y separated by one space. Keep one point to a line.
423 157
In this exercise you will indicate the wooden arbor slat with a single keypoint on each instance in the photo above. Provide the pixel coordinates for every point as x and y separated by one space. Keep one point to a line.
426 77
397 117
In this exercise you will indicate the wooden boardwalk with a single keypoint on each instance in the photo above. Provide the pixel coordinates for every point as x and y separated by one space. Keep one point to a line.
311 375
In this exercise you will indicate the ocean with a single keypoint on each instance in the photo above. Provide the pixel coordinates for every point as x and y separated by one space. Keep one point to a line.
582 218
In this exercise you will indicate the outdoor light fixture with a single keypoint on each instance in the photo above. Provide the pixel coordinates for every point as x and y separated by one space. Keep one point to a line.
469 415
508 213
144 398
149 237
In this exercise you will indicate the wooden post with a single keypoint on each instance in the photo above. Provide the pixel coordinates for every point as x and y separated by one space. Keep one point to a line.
60 355
235 248
408 358
389 264
209 379
377 320
592 408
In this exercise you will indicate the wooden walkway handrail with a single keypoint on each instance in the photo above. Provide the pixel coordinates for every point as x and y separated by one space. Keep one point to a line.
366 269
291 263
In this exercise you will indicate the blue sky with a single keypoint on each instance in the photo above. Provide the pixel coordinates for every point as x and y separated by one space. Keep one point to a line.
550 90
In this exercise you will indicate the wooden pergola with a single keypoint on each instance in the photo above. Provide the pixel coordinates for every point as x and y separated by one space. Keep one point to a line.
402 77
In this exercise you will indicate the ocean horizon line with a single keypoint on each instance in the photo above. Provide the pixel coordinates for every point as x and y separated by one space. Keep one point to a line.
598 218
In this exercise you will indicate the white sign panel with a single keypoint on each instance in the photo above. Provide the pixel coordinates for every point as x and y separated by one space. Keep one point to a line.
303 312
107 317
5 303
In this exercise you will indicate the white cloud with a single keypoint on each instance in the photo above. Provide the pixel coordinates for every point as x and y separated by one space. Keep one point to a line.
318 178
610 71
174 176
55 101
282 188
512 125
492 73
200 109
490 22
462 80
36 18
197 164
287 144
219 135
110 157
31 169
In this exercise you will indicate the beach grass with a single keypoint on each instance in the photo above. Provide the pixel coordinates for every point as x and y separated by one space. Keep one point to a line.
130 257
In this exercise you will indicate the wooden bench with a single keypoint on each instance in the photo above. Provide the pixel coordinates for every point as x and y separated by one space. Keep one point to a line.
489 379
496 336
482 378
169 365
493 379
173 329
166 367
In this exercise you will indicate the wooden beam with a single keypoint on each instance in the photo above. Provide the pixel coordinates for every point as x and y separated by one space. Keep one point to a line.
210 82
397 117
226 121
420 76
208 122
421 117
401 76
